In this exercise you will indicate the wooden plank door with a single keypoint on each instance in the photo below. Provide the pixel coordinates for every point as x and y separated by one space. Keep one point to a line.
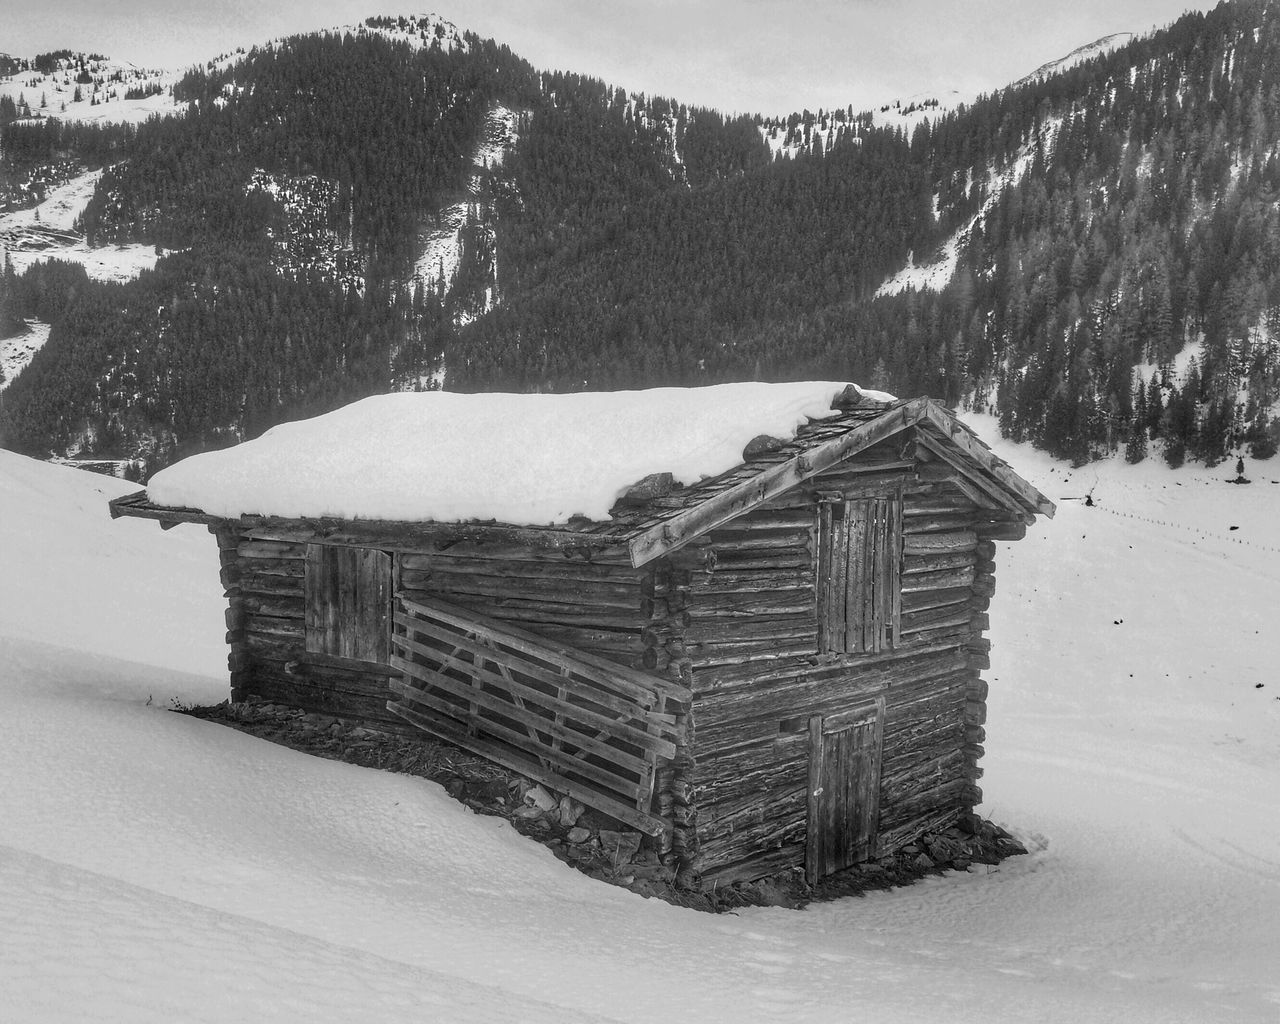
844 788
348 603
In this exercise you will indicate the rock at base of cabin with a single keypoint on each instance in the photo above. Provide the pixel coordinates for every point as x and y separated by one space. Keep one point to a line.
541 799
570 811
578 836
619 847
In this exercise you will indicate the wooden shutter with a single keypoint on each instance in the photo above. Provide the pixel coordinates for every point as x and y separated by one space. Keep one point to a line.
348 602
844 789
859 575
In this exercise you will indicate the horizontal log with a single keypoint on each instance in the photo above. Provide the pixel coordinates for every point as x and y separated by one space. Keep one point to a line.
941 580
740 652
898 834
934 618
916 520
732 718
717 628
273 625
955 634
934 800
725 539
293 567
277 607
939 542
1003 531
758 820
984 585
723 580
742 560
269 549
626 594
920 563
532 615
923 776
757 864
923 600
270 586
975 712
985 550
710 606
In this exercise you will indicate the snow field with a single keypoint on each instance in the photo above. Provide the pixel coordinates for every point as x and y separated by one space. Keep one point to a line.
154 867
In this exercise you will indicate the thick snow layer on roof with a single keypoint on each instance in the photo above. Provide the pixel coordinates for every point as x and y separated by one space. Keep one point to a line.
522 459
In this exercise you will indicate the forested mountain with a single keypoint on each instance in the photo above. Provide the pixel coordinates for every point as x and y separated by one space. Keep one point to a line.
338 214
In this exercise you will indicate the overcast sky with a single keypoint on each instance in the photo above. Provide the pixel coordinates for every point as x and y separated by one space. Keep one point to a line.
766 56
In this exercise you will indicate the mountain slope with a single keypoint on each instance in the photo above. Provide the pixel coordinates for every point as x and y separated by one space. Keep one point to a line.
336 223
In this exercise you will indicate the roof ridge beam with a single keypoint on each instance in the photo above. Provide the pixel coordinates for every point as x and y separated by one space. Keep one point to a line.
680 529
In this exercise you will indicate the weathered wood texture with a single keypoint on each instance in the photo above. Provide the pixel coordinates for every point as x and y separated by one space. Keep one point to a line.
582 725
844 789
347 602
599 607
751 712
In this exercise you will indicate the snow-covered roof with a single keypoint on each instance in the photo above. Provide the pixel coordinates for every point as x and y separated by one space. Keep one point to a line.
529 460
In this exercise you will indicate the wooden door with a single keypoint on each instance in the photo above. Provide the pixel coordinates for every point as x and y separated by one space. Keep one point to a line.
844 788
348 603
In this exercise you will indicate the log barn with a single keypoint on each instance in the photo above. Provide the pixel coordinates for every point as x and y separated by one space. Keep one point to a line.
776 665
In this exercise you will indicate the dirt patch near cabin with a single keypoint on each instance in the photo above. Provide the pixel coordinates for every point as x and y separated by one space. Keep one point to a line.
589 841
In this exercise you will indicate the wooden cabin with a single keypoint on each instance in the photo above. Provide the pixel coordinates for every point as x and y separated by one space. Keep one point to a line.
776 666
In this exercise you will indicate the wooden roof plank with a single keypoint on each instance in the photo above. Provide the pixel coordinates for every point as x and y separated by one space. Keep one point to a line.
989 488
662 538
998 468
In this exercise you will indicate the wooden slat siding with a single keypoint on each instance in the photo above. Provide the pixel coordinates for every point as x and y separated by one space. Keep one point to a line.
584 721
646 690
586 712
503 755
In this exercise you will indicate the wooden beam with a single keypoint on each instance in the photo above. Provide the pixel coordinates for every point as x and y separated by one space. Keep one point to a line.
732 502
992 490
998 468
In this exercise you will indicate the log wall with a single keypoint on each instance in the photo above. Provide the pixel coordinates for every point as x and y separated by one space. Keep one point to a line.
758 676
732 615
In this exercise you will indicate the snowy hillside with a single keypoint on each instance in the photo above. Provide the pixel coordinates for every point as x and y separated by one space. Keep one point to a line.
89 88
155 868
48 231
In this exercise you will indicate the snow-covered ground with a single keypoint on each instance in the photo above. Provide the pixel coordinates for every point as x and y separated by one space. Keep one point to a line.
155 868
48 231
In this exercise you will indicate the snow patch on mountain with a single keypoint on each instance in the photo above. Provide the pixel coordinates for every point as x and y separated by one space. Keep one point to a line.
938 271
90 88
306 240
16 351
468 225
1077 56
49 231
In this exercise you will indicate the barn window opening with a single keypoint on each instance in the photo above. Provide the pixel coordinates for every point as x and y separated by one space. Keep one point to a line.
859 588
348 602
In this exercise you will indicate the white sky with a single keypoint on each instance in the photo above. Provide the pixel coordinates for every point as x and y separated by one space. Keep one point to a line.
767 56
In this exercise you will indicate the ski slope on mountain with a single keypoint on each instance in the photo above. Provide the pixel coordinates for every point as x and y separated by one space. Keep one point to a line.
155 867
